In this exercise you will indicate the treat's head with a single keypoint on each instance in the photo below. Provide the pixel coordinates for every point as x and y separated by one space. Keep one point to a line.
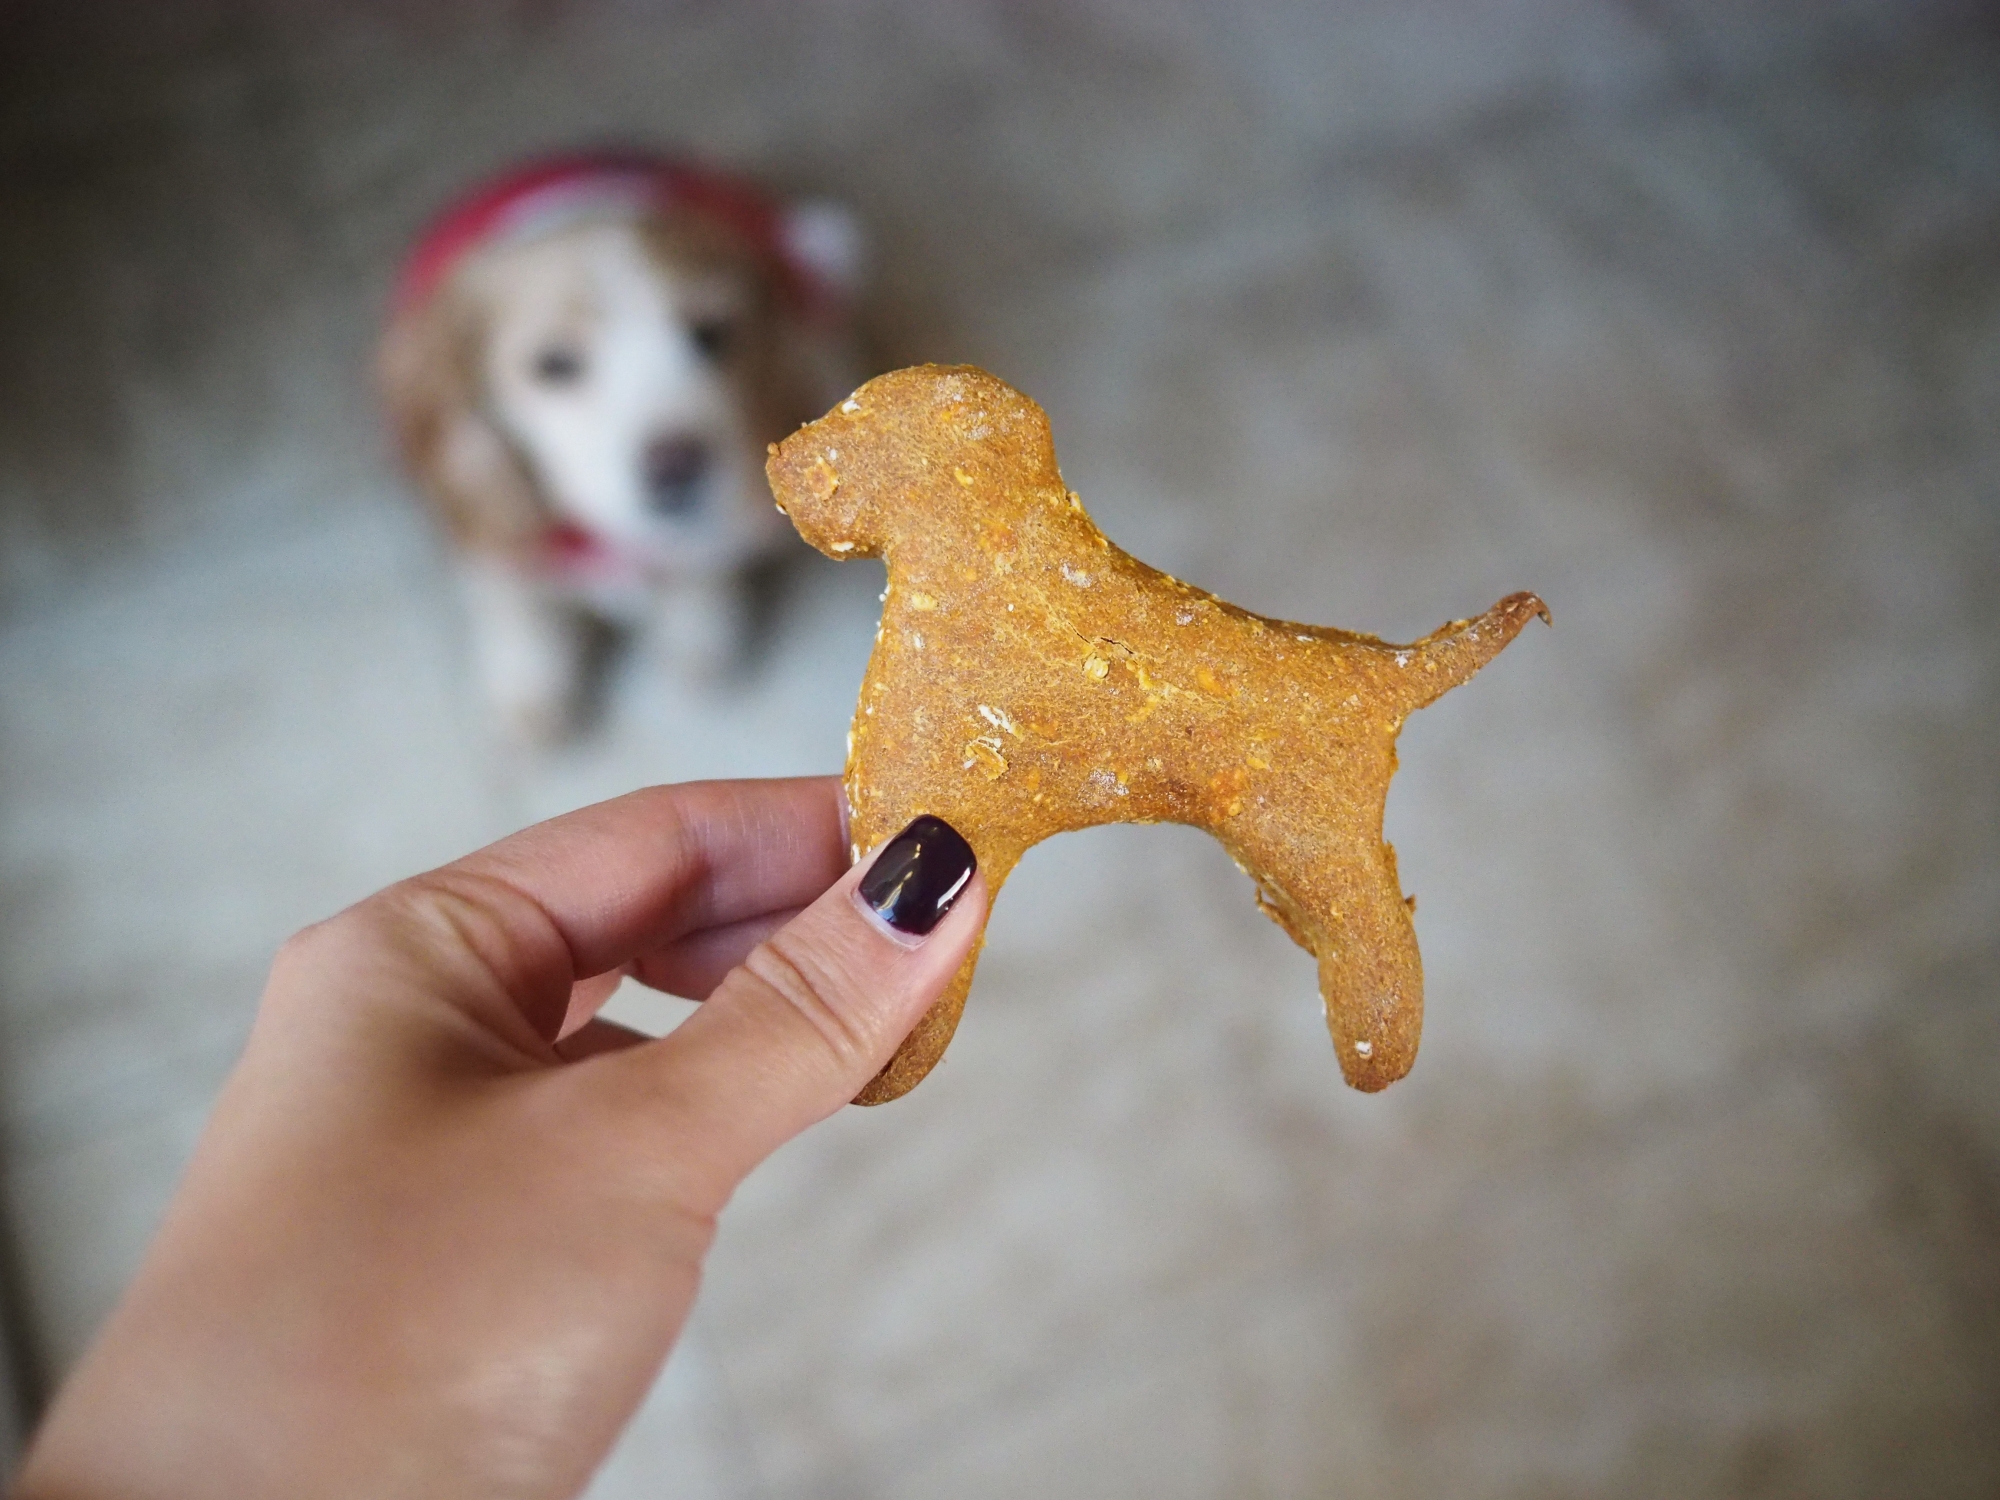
918 449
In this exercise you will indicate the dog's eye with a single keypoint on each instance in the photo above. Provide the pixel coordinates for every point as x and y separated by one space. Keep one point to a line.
714 337
558 365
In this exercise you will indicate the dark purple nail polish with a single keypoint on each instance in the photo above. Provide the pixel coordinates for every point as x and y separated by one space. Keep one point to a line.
918 875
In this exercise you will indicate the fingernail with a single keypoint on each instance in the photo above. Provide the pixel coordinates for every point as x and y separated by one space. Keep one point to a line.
918 875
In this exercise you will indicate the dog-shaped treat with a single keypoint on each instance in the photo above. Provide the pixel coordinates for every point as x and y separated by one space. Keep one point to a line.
1030 678
585 363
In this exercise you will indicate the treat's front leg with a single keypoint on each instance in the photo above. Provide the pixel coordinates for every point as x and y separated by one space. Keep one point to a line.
880 807
924 1047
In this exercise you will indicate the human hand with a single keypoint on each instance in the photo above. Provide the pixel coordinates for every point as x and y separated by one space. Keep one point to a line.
445 1223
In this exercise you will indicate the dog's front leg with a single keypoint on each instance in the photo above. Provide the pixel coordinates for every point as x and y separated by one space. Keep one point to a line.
701 624
527 650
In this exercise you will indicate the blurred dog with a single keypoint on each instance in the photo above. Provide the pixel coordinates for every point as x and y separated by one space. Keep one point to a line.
585 363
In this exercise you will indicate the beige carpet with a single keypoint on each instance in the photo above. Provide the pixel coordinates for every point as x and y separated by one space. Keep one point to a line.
1685 313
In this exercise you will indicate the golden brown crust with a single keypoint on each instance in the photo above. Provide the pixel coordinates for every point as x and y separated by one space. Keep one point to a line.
1030 678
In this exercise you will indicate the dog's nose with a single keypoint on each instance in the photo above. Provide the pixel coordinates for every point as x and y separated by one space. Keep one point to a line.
674 470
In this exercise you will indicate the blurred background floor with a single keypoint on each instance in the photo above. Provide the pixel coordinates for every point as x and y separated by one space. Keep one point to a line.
1683 312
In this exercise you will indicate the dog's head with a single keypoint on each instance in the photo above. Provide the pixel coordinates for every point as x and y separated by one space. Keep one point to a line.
618 371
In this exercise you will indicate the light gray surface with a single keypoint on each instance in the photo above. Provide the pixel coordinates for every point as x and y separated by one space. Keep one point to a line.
1685 314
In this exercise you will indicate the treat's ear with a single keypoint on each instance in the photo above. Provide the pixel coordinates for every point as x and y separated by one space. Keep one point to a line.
428 371
907 453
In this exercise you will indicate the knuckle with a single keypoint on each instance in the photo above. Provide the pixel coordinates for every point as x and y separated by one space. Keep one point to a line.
303 947
467 932
308 951
455 938
459 911
803 987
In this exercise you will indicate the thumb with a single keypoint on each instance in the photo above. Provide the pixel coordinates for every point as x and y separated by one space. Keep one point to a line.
799 1027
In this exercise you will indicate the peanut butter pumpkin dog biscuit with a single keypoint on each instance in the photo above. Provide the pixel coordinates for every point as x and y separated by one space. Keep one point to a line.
1030 678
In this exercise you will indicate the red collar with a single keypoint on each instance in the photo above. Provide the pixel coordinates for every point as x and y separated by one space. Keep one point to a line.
550 191
571 550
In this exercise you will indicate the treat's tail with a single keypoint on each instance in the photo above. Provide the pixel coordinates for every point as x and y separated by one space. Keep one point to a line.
1447 657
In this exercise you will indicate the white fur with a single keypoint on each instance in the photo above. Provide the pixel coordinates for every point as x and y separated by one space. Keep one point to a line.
526 650
594 291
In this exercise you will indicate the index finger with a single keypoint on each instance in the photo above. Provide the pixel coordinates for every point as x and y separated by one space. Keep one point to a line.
638 872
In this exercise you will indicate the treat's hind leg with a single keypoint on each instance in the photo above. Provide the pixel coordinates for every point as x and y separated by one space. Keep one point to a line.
1358 928
1372 980
1371 975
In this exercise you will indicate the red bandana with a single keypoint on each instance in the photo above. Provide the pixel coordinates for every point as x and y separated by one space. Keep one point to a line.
547 193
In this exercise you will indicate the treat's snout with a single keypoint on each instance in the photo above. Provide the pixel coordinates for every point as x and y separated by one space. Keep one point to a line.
823 498
915 448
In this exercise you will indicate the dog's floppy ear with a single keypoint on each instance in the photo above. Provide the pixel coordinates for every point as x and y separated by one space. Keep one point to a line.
821 345
428 371
827 240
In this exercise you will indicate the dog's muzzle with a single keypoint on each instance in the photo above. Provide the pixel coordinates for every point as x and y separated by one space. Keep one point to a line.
676 472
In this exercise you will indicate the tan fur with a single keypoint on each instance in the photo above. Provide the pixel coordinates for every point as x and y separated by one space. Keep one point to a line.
427 368
429 371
